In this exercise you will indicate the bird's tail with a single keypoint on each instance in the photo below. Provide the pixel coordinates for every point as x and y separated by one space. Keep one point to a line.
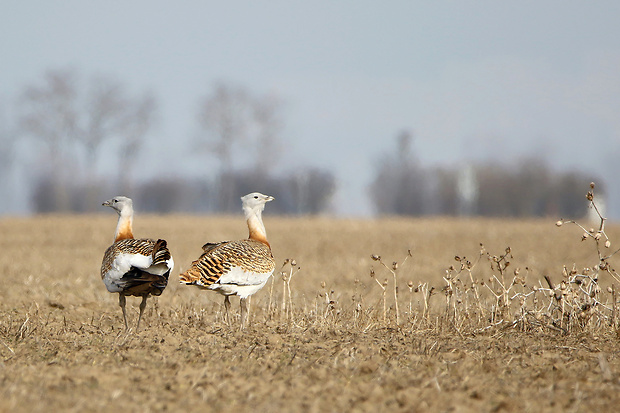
161 255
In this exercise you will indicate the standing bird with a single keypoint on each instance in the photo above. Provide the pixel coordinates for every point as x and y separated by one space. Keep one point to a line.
138 267
236 267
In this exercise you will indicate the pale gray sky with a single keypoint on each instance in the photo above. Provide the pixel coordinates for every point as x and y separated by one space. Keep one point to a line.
472 79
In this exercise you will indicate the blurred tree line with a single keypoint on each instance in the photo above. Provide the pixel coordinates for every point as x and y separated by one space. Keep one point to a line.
526 189
71 125
86 138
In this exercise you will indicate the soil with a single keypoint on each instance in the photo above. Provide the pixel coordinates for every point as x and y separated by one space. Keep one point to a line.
63 346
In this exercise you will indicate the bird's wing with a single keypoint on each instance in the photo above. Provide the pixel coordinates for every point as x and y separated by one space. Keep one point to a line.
244 262
131 261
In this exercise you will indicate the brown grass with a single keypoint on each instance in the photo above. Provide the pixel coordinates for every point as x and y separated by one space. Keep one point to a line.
329 345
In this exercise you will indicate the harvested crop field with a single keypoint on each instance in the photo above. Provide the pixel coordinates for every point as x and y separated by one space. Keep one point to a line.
467 334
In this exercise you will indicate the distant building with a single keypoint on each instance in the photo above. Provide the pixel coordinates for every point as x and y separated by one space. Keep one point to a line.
467 190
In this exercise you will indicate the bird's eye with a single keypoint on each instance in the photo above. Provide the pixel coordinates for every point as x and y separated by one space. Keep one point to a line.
255 196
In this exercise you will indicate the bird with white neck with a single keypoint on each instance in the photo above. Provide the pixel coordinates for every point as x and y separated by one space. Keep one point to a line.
236 267
134 267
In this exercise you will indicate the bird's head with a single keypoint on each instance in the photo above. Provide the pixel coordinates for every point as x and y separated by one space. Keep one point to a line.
255 201
119 204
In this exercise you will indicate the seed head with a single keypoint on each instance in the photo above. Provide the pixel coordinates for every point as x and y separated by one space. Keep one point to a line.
410 284
293 263
584 236
589 196
559 223
591 185
375 257
597 236
607 244
394 265
372 273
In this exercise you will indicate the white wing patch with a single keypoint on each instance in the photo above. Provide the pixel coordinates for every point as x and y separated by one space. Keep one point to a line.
121 265
239 276
162 268
239 282
124 261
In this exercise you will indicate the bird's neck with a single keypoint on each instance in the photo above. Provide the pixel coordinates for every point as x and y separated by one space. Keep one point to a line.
256 226
124 228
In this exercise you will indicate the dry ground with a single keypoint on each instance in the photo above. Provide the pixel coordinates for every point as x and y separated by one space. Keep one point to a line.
62 347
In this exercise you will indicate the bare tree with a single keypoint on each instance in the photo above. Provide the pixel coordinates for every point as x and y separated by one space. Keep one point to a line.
224 116
102 117
242 132
8 137
135 125
224 119
312 190
49 115
400 186
62 111
7 142
268 126
531 189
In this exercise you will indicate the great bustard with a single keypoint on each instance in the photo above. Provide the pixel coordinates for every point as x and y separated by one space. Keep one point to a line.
138 267
236 267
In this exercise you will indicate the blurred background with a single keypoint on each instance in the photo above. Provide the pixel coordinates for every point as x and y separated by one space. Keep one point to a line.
348 108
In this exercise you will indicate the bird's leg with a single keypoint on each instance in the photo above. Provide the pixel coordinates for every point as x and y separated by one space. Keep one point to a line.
142 307
121 302
244 312
227 306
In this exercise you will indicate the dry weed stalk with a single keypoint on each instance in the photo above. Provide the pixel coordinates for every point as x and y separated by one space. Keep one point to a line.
577 302
286 310
579 294
357 302
393 270
328 297
410 285
453 281
507 297
426 294
383 287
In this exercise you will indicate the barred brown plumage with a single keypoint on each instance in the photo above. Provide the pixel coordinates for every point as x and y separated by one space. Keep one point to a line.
138 267
218 259
236 267
142 246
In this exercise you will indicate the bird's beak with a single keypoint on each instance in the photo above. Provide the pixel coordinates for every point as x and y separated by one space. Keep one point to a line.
107 203
269 198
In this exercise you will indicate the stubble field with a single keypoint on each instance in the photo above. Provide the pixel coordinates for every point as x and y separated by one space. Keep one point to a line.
475 338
